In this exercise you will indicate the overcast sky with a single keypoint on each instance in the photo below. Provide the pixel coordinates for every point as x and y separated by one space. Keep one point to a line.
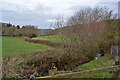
42 12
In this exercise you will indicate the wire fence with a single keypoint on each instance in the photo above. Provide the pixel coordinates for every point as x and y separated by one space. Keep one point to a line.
69 74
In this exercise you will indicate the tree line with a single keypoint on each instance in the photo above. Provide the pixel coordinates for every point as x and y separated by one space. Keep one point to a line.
25 31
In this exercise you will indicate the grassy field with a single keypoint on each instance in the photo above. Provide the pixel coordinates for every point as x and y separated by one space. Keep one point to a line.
14 46
55 38
99 63
98 75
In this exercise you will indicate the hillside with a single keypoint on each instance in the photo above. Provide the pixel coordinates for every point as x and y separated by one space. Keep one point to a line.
87 70
98 63
54 38
45 31
49 40
16 45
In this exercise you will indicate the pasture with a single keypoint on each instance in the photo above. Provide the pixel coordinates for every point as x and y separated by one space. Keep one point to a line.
54 38
90 69
16 45
96 64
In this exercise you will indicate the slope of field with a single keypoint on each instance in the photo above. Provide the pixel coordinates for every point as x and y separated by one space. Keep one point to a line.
98 63
55 38
103 62
15 46
94 69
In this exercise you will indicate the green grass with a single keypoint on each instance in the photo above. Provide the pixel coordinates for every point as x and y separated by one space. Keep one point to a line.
16 45
55 38
99 63
98 75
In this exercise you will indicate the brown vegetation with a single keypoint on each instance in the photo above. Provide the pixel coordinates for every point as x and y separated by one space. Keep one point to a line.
89 29
27 64
46 42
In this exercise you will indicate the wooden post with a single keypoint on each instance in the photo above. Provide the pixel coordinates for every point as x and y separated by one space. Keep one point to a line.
116 74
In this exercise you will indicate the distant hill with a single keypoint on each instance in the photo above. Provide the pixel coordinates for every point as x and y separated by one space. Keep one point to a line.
41 31
45 31
0 29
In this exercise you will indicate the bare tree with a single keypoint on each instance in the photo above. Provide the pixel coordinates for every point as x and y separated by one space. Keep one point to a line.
59 25
87 29
88 15
59 22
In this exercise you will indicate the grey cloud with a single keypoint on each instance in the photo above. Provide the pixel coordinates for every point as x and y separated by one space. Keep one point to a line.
111 5
77 8
24 14
34 17
42 7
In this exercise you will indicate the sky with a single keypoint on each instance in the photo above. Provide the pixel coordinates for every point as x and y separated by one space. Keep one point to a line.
42 13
